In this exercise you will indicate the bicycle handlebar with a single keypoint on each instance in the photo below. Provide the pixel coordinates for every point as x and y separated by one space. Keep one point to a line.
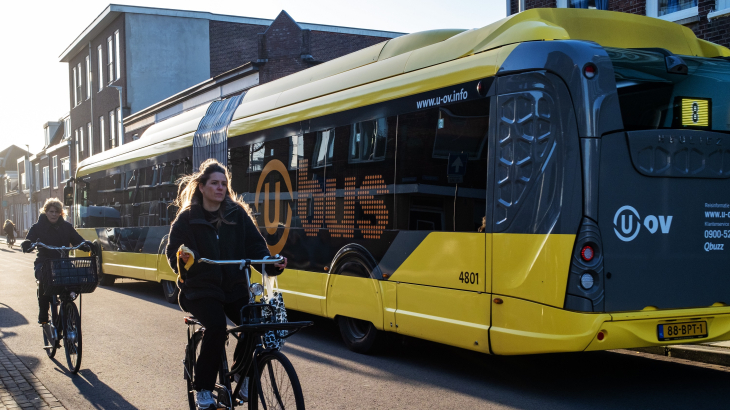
59 248
243 262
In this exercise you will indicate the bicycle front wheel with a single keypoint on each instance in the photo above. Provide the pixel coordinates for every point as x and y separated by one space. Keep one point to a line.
279 384
72 336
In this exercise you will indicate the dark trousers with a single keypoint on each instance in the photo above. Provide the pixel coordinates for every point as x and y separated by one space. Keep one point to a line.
44 302
212 314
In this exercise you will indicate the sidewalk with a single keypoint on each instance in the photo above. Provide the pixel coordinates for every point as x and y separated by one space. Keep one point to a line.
19 388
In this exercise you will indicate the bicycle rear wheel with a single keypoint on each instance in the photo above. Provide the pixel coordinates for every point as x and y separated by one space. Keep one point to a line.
49 340
192 352
279 384
72 336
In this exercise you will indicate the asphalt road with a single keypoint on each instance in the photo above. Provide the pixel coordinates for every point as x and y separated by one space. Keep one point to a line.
134 340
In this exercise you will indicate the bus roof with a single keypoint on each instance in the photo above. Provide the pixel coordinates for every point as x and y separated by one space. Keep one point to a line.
416 51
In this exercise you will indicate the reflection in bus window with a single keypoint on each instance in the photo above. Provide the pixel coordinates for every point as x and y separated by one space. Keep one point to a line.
256 159
296 150
368 140
324 149
465 134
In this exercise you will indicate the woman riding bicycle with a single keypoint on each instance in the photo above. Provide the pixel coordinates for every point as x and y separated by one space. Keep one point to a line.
212 223
51 229
10 230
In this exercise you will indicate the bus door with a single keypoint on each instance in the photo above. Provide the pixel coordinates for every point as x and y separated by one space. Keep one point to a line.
536 208
664 192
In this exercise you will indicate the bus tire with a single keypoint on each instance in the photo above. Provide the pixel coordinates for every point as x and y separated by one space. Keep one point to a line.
170 290
360 336
104 280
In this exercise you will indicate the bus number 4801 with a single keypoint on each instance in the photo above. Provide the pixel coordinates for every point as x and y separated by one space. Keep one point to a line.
469 277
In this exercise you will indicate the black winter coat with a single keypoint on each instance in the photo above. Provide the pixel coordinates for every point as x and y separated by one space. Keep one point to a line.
242 240
61 233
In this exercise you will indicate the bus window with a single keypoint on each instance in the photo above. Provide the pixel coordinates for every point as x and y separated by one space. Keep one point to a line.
425 198
256 157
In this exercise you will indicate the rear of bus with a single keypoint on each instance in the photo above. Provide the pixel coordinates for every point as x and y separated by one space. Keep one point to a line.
663 205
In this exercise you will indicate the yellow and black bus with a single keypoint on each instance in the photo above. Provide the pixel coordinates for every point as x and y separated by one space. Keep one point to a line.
556 181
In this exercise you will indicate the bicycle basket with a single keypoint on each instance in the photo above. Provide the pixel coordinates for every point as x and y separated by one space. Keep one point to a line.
71 274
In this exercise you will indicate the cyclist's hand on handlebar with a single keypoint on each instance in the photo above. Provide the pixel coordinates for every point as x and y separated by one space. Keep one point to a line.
281 265
86 247
26 246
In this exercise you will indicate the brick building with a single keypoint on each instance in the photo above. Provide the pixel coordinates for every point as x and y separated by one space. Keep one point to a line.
245 55
708 19
9 180
130 58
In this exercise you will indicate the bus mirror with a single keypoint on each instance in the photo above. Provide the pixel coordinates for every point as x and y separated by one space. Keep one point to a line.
68 196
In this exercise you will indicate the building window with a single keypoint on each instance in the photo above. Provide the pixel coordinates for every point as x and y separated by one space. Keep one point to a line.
66 169
672 10
673 6
117 60
79 83
55 172
46 178
90 133
76 88
88 77
67 128
110 58
81 139
112 130
101 133
722 4
120 131
37 182
100 54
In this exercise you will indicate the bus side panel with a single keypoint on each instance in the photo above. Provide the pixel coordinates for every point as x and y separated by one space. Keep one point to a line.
454 317
443 257
524 327
311 292
285 283
533 266
164 271
355 297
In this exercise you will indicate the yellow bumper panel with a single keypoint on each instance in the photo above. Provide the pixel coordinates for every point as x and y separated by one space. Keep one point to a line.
639 329
524 327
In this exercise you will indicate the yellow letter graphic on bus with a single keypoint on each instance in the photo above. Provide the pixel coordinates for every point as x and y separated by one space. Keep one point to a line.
273 225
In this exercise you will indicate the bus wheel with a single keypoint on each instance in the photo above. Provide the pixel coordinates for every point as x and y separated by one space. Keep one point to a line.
170 290
104 280
360 336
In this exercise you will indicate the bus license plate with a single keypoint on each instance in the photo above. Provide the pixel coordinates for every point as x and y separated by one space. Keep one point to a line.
671 331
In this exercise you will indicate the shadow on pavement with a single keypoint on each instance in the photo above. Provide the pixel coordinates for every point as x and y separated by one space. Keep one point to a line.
558 380
94 390
10 317
148 291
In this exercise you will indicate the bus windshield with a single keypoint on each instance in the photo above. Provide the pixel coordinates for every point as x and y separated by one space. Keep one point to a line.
653 98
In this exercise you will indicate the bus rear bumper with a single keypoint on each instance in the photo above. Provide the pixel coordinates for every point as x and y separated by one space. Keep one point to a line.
639 329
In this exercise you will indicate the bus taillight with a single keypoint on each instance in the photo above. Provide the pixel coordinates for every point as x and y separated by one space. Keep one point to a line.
587 253
590 70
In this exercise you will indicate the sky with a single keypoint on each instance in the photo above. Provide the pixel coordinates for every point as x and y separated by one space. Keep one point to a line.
35 86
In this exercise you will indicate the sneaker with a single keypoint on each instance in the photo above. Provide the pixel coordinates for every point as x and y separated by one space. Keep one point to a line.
204 400
243 393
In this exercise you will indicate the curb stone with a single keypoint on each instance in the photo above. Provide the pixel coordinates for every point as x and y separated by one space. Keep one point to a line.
19 388
698 353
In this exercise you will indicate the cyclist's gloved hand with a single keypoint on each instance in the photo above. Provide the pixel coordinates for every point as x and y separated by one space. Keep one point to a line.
25 246
86 247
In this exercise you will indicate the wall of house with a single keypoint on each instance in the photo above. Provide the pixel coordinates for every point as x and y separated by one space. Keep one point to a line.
165 55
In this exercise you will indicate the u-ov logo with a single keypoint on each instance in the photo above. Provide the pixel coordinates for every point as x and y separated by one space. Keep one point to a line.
627 223
273 225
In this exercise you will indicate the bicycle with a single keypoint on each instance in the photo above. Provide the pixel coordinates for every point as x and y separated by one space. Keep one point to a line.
66 279
272 380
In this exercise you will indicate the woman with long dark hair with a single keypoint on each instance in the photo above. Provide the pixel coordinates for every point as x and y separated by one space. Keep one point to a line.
212 223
